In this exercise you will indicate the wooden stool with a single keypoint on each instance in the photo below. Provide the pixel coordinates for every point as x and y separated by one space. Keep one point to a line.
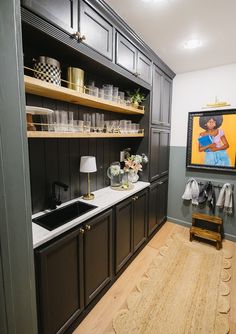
205 233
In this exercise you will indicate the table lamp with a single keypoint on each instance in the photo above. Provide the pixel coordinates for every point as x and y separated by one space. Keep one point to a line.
88 165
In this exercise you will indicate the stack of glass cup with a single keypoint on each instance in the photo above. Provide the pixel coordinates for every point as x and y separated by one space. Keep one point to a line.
64 121
107 92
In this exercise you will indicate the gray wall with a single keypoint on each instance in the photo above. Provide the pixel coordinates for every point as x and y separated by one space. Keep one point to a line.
179 211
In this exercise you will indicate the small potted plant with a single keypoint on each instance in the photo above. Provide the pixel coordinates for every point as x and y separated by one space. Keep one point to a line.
136 97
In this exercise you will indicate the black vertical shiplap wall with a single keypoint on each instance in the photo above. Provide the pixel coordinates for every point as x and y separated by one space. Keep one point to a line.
59 159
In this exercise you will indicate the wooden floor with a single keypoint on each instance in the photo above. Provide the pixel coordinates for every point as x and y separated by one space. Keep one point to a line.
99 320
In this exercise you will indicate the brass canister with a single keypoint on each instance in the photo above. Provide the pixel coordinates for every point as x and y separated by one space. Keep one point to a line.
75 76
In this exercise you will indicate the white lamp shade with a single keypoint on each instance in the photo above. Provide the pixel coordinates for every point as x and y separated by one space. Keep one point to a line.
88 164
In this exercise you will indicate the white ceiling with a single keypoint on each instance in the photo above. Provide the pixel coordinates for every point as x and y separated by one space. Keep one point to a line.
166 25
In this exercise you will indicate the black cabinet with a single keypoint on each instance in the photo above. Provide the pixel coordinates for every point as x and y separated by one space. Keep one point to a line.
144 67
131 59
123 233
97 255
139 219
130 228
161 98
97 30
72 271
158 196
159 153
62 13
59 285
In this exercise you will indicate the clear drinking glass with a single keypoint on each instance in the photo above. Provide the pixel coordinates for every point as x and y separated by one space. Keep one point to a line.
64 121
51 120
70 121
115 94
101 93
80 126
108 90
87 126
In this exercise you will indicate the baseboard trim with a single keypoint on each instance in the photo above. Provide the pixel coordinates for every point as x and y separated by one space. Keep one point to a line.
228 236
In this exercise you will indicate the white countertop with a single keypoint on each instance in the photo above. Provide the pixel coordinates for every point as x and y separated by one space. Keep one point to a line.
104 199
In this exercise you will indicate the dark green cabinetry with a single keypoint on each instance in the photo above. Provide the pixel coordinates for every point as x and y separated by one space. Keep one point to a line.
62 13
97 255
130 227
98 32
158 193
72 271
161 98
59 272
159 152
131 59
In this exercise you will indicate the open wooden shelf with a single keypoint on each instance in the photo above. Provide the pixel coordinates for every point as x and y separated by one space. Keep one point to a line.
48 134
42 88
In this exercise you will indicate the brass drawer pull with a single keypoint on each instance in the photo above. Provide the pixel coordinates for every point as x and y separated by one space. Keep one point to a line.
87 227
81 231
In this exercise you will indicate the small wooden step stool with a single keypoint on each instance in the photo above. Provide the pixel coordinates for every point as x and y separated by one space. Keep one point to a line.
205 233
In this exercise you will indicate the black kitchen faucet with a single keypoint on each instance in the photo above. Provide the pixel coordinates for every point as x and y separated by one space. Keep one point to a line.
56 200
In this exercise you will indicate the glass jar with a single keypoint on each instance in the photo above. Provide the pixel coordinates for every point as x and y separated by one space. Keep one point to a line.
114 172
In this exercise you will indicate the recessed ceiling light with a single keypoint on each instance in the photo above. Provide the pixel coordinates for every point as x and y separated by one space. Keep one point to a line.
192 44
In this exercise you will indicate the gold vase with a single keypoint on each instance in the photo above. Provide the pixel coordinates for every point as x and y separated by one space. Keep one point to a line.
75 76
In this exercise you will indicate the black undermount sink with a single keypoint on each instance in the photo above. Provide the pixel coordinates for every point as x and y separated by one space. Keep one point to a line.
59 217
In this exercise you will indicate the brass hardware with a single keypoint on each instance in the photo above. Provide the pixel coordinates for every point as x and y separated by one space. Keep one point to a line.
81 231
136 197
77 35
133 198
87 227
160 182
82 38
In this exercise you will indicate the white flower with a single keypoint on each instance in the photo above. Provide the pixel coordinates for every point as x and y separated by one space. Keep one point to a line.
115 170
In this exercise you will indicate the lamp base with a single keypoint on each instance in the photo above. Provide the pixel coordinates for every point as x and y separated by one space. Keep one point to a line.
88 196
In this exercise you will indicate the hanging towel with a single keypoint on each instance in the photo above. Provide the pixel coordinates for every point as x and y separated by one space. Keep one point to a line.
191 191
207 195
225 199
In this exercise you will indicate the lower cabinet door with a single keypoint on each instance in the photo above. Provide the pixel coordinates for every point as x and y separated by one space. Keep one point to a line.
140 219
59 283
158 196
123 233
97 255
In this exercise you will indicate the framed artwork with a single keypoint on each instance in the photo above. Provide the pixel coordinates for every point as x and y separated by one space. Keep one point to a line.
211 140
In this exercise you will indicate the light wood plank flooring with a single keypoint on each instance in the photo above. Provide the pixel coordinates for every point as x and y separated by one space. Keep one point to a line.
99 320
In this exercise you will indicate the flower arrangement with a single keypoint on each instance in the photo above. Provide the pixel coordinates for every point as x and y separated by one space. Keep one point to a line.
135 162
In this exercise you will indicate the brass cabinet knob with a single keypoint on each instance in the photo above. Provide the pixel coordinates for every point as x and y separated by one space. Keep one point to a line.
135 198
81 231
77 35
82 38
87 227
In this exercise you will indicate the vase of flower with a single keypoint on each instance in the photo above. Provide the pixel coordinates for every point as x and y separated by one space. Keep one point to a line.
114 173
133 175
133 164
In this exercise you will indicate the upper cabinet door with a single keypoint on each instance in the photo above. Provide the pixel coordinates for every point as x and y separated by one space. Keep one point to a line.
97 31
144 66
166 100
161 98
156 96
63 13
126 54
